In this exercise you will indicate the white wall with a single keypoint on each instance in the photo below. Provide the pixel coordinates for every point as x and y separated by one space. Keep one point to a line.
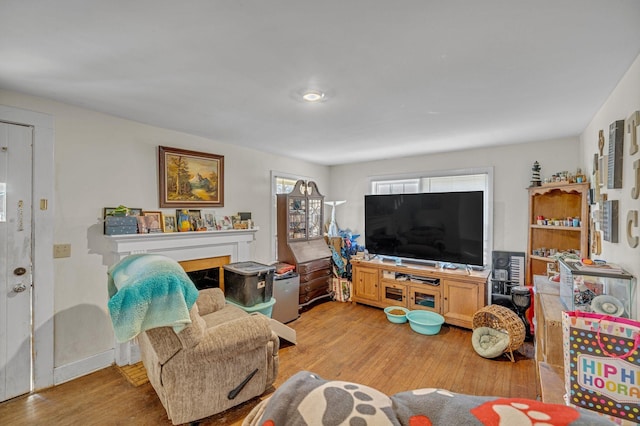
101 161
511 172
623 101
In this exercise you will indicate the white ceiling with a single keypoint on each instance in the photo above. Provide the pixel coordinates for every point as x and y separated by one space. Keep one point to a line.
401 77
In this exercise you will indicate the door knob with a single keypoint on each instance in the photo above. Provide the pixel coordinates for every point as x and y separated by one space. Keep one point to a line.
19 288
19 271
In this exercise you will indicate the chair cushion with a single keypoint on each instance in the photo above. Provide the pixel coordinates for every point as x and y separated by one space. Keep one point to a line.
488 342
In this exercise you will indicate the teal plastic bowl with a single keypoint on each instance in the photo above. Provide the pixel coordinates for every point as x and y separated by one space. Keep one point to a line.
396 319
425 322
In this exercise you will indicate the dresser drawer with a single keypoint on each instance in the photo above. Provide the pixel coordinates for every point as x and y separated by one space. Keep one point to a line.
322 273
314 265
307 296
322 282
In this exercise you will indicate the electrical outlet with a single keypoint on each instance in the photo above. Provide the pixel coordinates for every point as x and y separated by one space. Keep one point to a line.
61 250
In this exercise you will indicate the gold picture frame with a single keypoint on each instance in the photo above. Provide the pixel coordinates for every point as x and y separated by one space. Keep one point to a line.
154 221
189 178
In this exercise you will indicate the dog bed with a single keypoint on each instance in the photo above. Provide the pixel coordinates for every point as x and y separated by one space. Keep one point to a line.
489 342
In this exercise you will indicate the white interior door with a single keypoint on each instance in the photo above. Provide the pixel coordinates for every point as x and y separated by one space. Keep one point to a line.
16 188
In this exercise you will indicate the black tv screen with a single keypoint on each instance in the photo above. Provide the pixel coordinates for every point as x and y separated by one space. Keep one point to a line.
442 226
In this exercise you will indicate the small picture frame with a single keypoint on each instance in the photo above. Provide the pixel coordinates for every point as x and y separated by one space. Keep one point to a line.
210 221
142 225
169 223
195 217
153 221
226 223
108 211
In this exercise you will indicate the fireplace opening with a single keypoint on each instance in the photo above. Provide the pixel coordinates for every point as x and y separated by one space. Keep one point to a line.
206 278
206 273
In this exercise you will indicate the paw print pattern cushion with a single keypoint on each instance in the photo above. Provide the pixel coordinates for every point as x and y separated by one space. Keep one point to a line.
306 399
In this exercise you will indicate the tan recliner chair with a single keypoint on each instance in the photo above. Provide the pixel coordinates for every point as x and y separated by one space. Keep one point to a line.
223 358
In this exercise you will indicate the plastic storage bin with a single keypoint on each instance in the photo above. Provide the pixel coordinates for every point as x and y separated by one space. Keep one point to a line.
265 308
597 289
248 283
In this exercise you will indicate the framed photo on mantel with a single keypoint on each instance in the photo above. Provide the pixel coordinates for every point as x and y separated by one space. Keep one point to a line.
190 178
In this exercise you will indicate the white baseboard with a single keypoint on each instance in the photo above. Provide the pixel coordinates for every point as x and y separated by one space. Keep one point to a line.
82 367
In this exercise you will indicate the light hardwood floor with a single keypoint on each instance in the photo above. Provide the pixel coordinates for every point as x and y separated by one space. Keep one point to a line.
344 341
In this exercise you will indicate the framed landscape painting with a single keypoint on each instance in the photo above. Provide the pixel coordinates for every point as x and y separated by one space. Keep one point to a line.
190 178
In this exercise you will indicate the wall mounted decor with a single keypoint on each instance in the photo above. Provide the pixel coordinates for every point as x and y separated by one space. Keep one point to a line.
601 143
190 179
635 189
610 221
596 238
632 221
632 128
616 140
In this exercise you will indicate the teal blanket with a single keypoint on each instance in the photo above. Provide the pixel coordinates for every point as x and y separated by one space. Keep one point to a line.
148 291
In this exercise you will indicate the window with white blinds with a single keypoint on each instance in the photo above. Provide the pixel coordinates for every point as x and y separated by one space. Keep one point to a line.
449 183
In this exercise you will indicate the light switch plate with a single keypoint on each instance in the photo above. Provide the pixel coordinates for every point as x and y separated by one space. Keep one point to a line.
61 250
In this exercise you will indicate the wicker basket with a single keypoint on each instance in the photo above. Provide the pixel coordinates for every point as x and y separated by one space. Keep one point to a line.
504 319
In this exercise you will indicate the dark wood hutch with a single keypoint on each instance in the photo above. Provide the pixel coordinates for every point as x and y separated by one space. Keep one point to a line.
301 241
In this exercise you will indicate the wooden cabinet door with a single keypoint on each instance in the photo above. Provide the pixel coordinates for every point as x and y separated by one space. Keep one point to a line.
393 294
365 284
425 298
461 300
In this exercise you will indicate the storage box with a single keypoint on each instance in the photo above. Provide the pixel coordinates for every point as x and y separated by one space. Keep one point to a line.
597 288
118 225
265 308
248 283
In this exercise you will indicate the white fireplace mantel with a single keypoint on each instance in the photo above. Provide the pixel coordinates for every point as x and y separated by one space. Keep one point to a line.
180 246
184 245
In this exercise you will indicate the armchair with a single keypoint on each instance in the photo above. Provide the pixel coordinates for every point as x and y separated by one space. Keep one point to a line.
223 358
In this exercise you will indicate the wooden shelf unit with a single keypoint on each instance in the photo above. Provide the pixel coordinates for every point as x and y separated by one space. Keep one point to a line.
560 202
457 296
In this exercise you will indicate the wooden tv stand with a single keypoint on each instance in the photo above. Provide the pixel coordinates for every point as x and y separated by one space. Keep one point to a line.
454 294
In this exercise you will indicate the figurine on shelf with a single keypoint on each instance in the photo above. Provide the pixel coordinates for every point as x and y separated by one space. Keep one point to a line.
535 179
184 222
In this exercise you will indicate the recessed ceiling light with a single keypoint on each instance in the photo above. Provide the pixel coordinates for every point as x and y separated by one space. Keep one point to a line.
313 96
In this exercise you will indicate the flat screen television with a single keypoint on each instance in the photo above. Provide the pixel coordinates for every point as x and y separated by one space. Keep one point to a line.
443 226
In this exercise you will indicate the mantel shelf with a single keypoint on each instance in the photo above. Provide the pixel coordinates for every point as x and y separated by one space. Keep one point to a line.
155 236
